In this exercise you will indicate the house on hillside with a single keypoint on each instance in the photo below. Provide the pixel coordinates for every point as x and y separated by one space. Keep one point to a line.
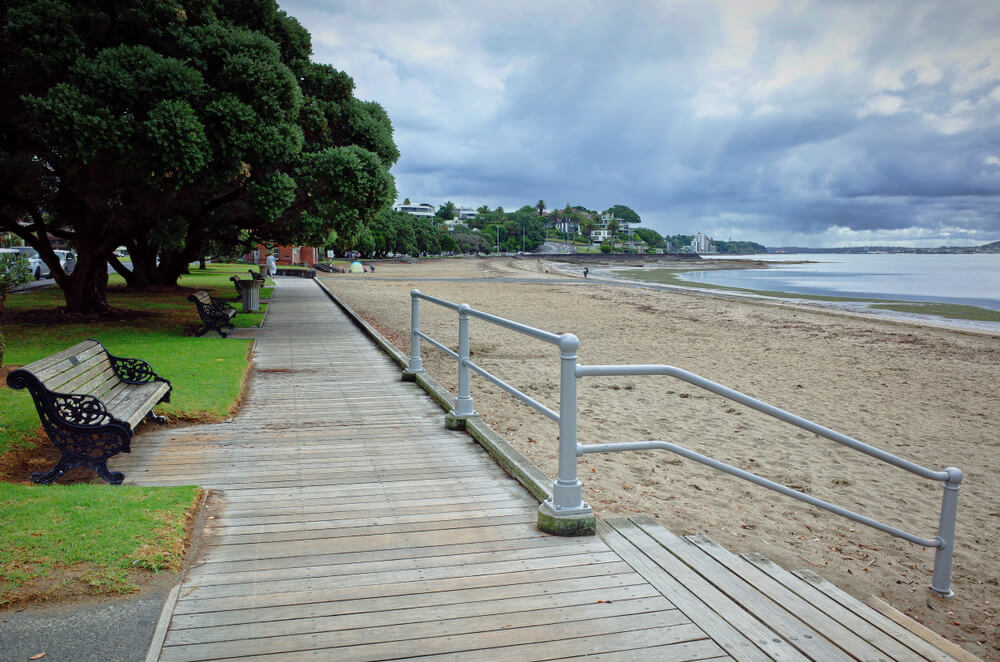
423 210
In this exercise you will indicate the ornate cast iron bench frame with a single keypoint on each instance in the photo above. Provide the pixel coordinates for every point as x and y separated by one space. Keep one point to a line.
215 313
238 284
89 402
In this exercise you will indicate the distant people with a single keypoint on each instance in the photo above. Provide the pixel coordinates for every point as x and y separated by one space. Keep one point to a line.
585 272
272 266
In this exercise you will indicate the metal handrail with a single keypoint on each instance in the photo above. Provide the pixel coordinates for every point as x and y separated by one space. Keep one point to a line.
567 494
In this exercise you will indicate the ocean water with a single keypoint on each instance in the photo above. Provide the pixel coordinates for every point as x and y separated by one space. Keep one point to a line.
972 280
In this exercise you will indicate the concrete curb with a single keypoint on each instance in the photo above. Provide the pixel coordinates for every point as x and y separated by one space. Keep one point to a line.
160 634
509 458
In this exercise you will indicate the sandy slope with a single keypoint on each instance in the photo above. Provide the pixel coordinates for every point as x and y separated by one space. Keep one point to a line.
928 394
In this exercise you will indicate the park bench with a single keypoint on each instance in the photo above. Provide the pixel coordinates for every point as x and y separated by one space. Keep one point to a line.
215 313
89 402
256 275
238 284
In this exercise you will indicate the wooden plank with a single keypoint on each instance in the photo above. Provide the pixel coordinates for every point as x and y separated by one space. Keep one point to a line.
876 618
703 650
456 635
398 576
740 635
922 632
542 546
404 588
420 614
219 576
793 604
806 640
46 367
846 617
338 604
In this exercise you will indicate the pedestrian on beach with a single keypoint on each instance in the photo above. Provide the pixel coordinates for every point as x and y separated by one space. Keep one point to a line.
585 272
272 266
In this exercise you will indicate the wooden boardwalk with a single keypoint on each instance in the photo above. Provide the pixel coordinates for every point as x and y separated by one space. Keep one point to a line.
356 527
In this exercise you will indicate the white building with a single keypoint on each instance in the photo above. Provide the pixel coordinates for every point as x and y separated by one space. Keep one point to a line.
423 209
701 244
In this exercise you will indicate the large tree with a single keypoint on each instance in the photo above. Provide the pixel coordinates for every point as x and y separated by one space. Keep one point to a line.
624 213
164 127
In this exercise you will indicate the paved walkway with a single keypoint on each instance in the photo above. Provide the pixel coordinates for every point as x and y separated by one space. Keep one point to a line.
355 527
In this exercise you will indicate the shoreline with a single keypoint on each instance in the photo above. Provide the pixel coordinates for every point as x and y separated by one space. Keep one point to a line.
921 392
832 304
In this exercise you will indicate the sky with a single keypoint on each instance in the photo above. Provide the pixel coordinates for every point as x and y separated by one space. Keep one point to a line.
800 123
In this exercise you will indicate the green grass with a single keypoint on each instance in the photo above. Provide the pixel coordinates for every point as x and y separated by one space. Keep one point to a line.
102 532
206 373
59 538
948 310
951 311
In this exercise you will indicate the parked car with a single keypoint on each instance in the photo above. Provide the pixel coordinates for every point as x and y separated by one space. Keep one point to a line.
35 263
67 260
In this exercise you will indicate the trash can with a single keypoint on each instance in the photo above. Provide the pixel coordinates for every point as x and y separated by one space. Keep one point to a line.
250 291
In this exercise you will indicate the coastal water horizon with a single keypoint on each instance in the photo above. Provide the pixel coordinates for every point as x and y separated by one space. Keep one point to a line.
959 279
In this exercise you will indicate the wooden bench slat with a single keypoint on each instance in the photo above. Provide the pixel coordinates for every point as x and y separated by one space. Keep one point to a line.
53 369
46 361
100 383
84 378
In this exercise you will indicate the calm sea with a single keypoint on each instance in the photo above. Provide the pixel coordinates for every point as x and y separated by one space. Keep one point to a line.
972 280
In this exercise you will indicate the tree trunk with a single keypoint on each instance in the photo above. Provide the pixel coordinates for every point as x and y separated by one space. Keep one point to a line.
86 289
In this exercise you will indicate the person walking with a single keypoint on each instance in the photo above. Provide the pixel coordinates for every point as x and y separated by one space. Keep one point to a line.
272 266
585 272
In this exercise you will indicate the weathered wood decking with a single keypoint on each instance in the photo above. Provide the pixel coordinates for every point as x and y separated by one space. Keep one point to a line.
357 528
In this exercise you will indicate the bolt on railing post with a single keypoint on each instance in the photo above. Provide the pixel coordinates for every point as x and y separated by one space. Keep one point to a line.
941 582
566 513
463 403
415 364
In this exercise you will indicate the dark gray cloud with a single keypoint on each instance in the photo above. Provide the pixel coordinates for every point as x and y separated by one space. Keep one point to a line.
783 122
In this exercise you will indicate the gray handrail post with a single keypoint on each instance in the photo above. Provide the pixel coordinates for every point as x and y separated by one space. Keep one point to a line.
941 581
415 363
566 513
463 403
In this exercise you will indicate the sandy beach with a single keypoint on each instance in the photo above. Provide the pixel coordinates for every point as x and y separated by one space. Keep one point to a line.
928 394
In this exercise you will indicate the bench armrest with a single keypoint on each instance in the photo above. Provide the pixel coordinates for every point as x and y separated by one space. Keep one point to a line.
137 371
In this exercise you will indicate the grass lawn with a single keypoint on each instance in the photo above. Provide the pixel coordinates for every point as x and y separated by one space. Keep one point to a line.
93 539
90 535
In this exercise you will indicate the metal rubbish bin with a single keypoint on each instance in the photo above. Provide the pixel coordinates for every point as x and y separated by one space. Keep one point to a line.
250 291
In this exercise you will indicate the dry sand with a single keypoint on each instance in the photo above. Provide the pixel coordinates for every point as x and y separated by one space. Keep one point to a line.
927 394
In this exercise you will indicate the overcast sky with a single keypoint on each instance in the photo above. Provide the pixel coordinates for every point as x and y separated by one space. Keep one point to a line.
788 123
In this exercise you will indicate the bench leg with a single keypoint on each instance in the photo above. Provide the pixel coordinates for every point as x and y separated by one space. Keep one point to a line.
65 463
156 418
55 473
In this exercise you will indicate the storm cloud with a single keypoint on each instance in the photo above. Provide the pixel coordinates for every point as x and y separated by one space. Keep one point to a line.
788 123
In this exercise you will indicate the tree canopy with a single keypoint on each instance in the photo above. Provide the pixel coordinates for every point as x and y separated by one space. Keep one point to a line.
164 127
625 214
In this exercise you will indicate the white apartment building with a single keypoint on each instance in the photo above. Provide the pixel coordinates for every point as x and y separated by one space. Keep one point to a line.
423 209
701 244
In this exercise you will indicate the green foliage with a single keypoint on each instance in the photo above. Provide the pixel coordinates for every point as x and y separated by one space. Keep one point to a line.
739 247
606 248
14 272
652 238
446 211
203 124
625 214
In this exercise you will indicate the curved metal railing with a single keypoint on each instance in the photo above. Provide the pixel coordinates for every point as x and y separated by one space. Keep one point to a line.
567 495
